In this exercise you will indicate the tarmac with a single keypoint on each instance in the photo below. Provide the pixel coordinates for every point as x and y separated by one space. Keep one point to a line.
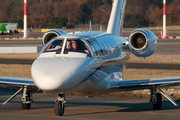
81 108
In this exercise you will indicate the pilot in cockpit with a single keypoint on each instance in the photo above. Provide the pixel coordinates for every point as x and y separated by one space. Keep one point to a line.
76 46
73 46
82 47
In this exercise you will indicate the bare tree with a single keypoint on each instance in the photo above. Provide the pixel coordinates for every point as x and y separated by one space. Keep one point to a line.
3 10
68 8
173 14
18 10
156 15
101 15
42 20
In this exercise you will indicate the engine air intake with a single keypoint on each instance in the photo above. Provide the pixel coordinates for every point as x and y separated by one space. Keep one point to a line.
138 40
49 35
142 42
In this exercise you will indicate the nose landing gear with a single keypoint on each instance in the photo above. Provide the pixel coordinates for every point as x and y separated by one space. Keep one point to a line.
59 105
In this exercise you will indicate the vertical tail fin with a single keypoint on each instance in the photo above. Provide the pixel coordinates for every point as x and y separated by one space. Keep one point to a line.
116 21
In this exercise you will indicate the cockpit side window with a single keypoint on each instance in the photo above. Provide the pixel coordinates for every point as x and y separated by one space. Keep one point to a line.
93 48
77 45
54 46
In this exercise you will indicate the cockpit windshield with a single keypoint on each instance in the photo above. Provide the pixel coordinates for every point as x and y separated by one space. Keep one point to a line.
77 45
71 45
54 46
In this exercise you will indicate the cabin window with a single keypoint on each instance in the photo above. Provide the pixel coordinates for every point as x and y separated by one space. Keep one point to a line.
101 51
95 53
112 49
104 48
108 47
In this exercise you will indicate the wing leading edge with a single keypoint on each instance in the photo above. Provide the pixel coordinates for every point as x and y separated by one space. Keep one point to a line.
16 81
146 83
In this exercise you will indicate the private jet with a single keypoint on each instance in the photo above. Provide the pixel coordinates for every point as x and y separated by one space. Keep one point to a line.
90 63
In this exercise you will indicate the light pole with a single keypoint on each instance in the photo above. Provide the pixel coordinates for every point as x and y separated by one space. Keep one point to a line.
25 18
164 18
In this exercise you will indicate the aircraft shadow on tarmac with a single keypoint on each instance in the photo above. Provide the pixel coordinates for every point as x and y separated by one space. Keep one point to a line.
132 107
123 107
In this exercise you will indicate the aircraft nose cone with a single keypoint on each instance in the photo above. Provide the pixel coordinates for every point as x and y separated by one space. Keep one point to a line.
49 76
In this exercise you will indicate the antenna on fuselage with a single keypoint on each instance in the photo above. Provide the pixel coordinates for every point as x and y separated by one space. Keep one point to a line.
90 29
116 21
101 28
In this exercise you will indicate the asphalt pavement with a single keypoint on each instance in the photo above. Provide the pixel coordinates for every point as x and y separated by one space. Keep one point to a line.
81 108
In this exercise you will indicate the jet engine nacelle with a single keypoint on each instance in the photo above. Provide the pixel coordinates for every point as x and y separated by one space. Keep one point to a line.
142 42
49 35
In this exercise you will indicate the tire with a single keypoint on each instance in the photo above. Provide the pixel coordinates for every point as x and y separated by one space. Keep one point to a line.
59 108
28 98
10 33
25 106
158 104
2 33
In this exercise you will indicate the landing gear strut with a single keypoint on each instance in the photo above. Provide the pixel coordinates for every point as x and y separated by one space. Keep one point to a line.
158 104
156 99
26 99
59 105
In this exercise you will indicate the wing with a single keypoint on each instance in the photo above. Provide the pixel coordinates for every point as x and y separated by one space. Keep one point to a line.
23 83
15 81
153 84
145 83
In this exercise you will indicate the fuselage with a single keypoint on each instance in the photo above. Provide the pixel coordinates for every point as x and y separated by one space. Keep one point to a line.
84 70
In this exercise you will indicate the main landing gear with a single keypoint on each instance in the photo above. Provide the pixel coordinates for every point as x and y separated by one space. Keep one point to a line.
59 105
156 98
26 98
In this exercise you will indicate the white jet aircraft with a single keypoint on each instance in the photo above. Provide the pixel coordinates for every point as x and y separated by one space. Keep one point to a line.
90 63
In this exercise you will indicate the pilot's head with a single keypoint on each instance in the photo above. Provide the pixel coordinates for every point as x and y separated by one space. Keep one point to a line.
73 45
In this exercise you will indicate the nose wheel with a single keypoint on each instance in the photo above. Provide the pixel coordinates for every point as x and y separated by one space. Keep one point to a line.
59 105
